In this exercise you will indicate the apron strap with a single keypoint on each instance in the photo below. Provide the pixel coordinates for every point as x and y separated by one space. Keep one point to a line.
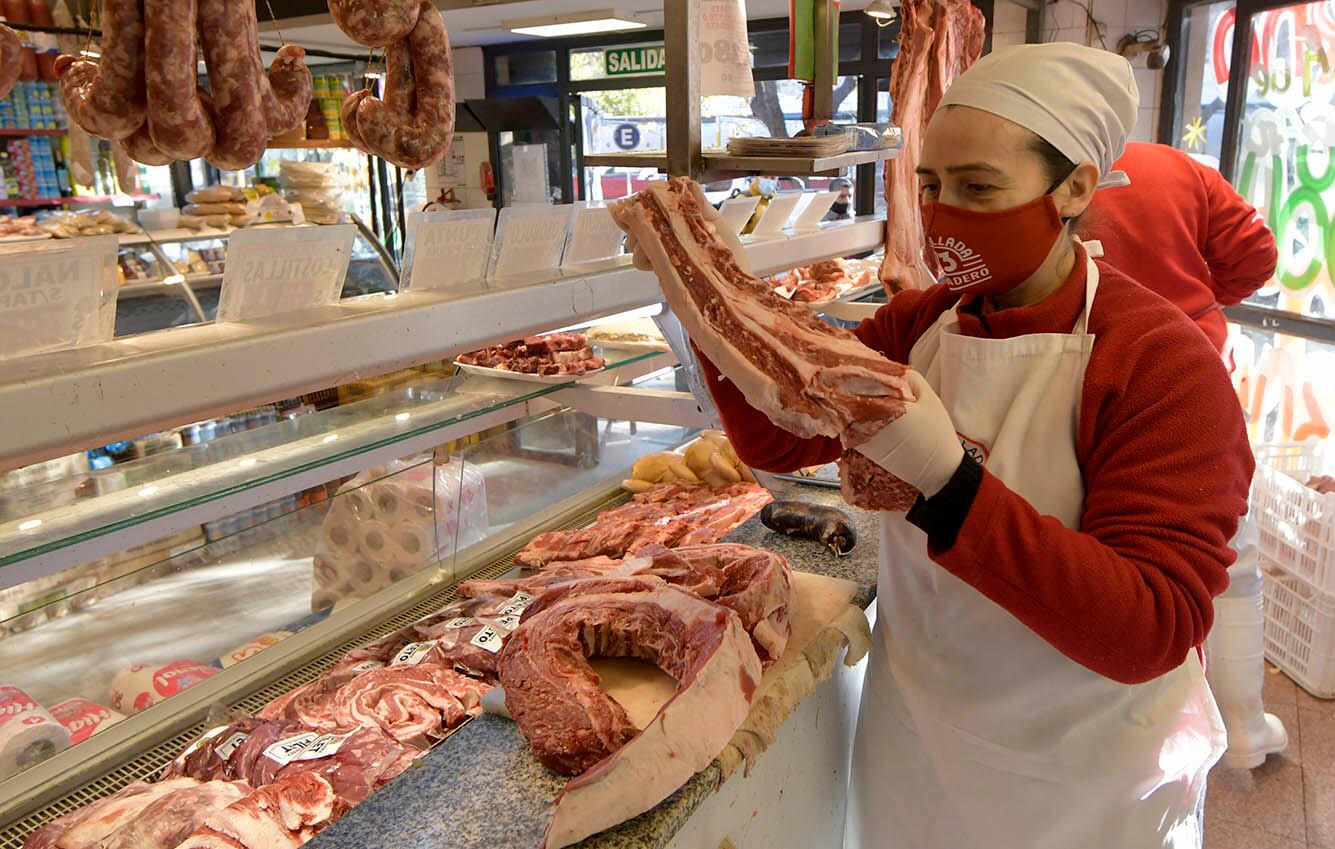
1091 286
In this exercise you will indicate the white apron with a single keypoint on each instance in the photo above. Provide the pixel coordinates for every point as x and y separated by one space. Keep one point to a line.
975 732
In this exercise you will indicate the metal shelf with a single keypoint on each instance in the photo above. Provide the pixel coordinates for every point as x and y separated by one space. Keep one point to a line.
722 165
66 401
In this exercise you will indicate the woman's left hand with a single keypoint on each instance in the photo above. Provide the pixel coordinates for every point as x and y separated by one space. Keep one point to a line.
920 447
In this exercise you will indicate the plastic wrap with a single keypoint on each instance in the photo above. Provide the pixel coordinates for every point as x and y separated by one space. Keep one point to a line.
390 522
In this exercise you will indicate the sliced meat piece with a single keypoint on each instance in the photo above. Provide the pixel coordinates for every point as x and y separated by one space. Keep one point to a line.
574 726
87 827
412 704
282 815
174 817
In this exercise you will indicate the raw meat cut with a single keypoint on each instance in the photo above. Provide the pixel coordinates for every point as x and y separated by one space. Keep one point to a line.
573 726
412 704
174 817
355 762
822 281
284 814
557 353
808 377
87 827
313 703
939 39
865 484
665 514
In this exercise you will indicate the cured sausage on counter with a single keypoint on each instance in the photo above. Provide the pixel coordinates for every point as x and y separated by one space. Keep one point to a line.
287 90
178 123
11 59
107 97
413 126
375 23
229 33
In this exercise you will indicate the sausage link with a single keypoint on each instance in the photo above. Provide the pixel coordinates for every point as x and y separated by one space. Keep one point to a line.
177 121
139 146
349 116
229 32
108 98
287 91
375 23
414 125
11 59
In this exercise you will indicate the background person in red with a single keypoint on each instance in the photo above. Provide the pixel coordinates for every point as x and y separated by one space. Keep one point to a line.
1182 231
1211 248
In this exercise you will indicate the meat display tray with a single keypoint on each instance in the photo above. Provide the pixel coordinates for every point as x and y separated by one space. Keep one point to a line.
549 379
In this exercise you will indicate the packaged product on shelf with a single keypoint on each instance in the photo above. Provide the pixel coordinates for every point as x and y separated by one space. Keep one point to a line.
69 224
253 648
391 521
24 226
316 186
28 733
83 718
139 686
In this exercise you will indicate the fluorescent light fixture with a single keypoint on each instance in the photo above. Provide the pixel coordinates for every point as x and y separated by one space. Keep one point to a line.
579 23
30 525
882 11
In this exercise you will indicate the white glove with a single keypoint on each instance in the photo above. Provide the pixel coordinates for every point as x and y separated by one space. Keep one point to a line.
640 259
920 447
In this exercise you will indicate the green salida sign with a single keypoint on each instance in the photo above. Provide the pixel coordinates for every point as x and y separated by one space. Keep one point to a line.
645 59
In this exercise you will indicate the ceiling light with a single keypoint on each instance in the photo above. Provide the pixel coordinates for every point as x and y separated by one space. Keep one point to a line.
582 23
882 11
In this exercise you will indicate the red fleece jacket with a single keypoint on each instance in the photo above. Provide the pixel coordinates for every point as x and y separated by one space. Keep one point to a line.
1163 450
1182 231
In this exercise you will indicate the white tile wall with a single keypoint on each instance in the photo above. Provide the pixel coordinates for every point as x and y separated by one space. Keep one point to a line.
468 76
1067 21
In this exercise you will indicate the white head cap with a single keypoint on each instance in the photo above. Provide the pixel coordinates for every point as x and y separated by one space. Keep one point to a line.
1081 100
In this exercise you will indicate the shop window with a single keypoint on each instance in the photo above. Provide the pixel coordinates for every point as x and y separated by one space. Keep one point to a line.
1286 156
594 63
887 39
537 66
769 48
1207 41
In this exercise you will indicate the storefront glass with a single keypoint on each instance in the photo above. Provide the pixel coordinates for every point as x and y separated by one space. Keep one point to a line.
1207 38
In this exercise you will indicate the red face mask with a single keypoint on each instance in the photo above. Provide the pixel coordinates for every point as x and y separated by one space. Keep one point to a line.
990 253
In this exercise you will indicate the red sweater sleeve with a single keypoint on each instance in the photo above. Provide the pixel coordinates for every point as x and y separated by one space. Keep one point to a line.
764 445
1239 248
1166 464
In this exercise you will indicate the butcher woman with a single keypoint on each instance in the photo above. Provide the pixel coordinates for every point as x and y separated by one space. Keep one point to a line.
1036 678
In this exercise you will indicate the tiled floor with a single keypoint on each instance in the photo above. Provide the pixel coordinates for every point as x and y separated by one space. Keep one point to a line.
1289 802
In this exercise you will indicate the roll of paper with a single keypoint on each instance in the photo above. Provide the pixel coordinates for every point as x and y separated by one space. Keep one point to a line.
342 535
358 502
141 685
416 544
391 501
83 718
377 541
28 733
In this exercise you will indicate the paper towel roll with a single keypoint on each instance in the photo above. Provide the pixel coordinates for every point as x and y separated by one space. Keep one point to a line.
28 734
416 544
341 534
358 502
141 685
377 540
83 718
391 501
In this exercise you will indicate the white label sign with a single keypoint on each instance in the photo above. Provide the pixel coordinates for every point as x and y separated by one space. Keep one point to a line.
323 746
737 211
776 214
518 603
528 239
274 271
810 216
447 249
593 236
57 295
461 622
412 654
508 622
225 749
488 639
289 749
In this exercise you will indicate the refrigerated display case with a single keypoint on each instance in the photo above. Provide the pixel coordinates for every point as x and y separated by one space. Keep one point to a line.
240 545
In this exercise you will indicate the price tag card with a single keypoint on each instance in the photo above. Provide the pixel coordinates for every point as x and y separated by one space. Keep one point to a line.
489 639
593 235
737 211
809 218
528 239
270 272
447 250
776 215
57 294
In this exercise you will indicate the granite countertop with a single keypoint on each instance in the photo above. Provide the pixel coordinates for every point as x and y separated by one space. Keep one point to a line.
483 789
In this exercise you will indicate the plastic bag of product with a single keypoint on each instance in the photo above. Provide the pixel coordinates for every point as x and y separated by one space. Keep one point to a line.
216 194
391 521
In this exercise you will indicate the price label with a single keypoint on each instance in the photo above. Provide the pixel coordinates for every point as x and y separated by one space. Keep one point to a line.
57 294
516 604
461 622
776 214
226 748
203 738
447 249
810 216
488 639
529 239
508 622
287 750
593 236
412 654
323 746
270 272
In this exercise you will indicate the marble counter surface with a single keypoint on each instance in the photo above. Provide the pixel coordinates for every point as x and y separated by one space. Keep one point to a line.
483 789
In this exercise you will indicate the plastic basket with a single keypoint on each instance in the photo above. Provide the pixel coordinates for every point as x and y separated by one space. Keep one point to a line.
1295 527
1298 459
1300 630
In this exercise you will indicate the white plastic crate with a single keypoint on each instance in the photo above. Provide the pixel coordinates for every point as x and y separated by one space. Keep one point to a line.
1295 527
1297 459
1300 630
